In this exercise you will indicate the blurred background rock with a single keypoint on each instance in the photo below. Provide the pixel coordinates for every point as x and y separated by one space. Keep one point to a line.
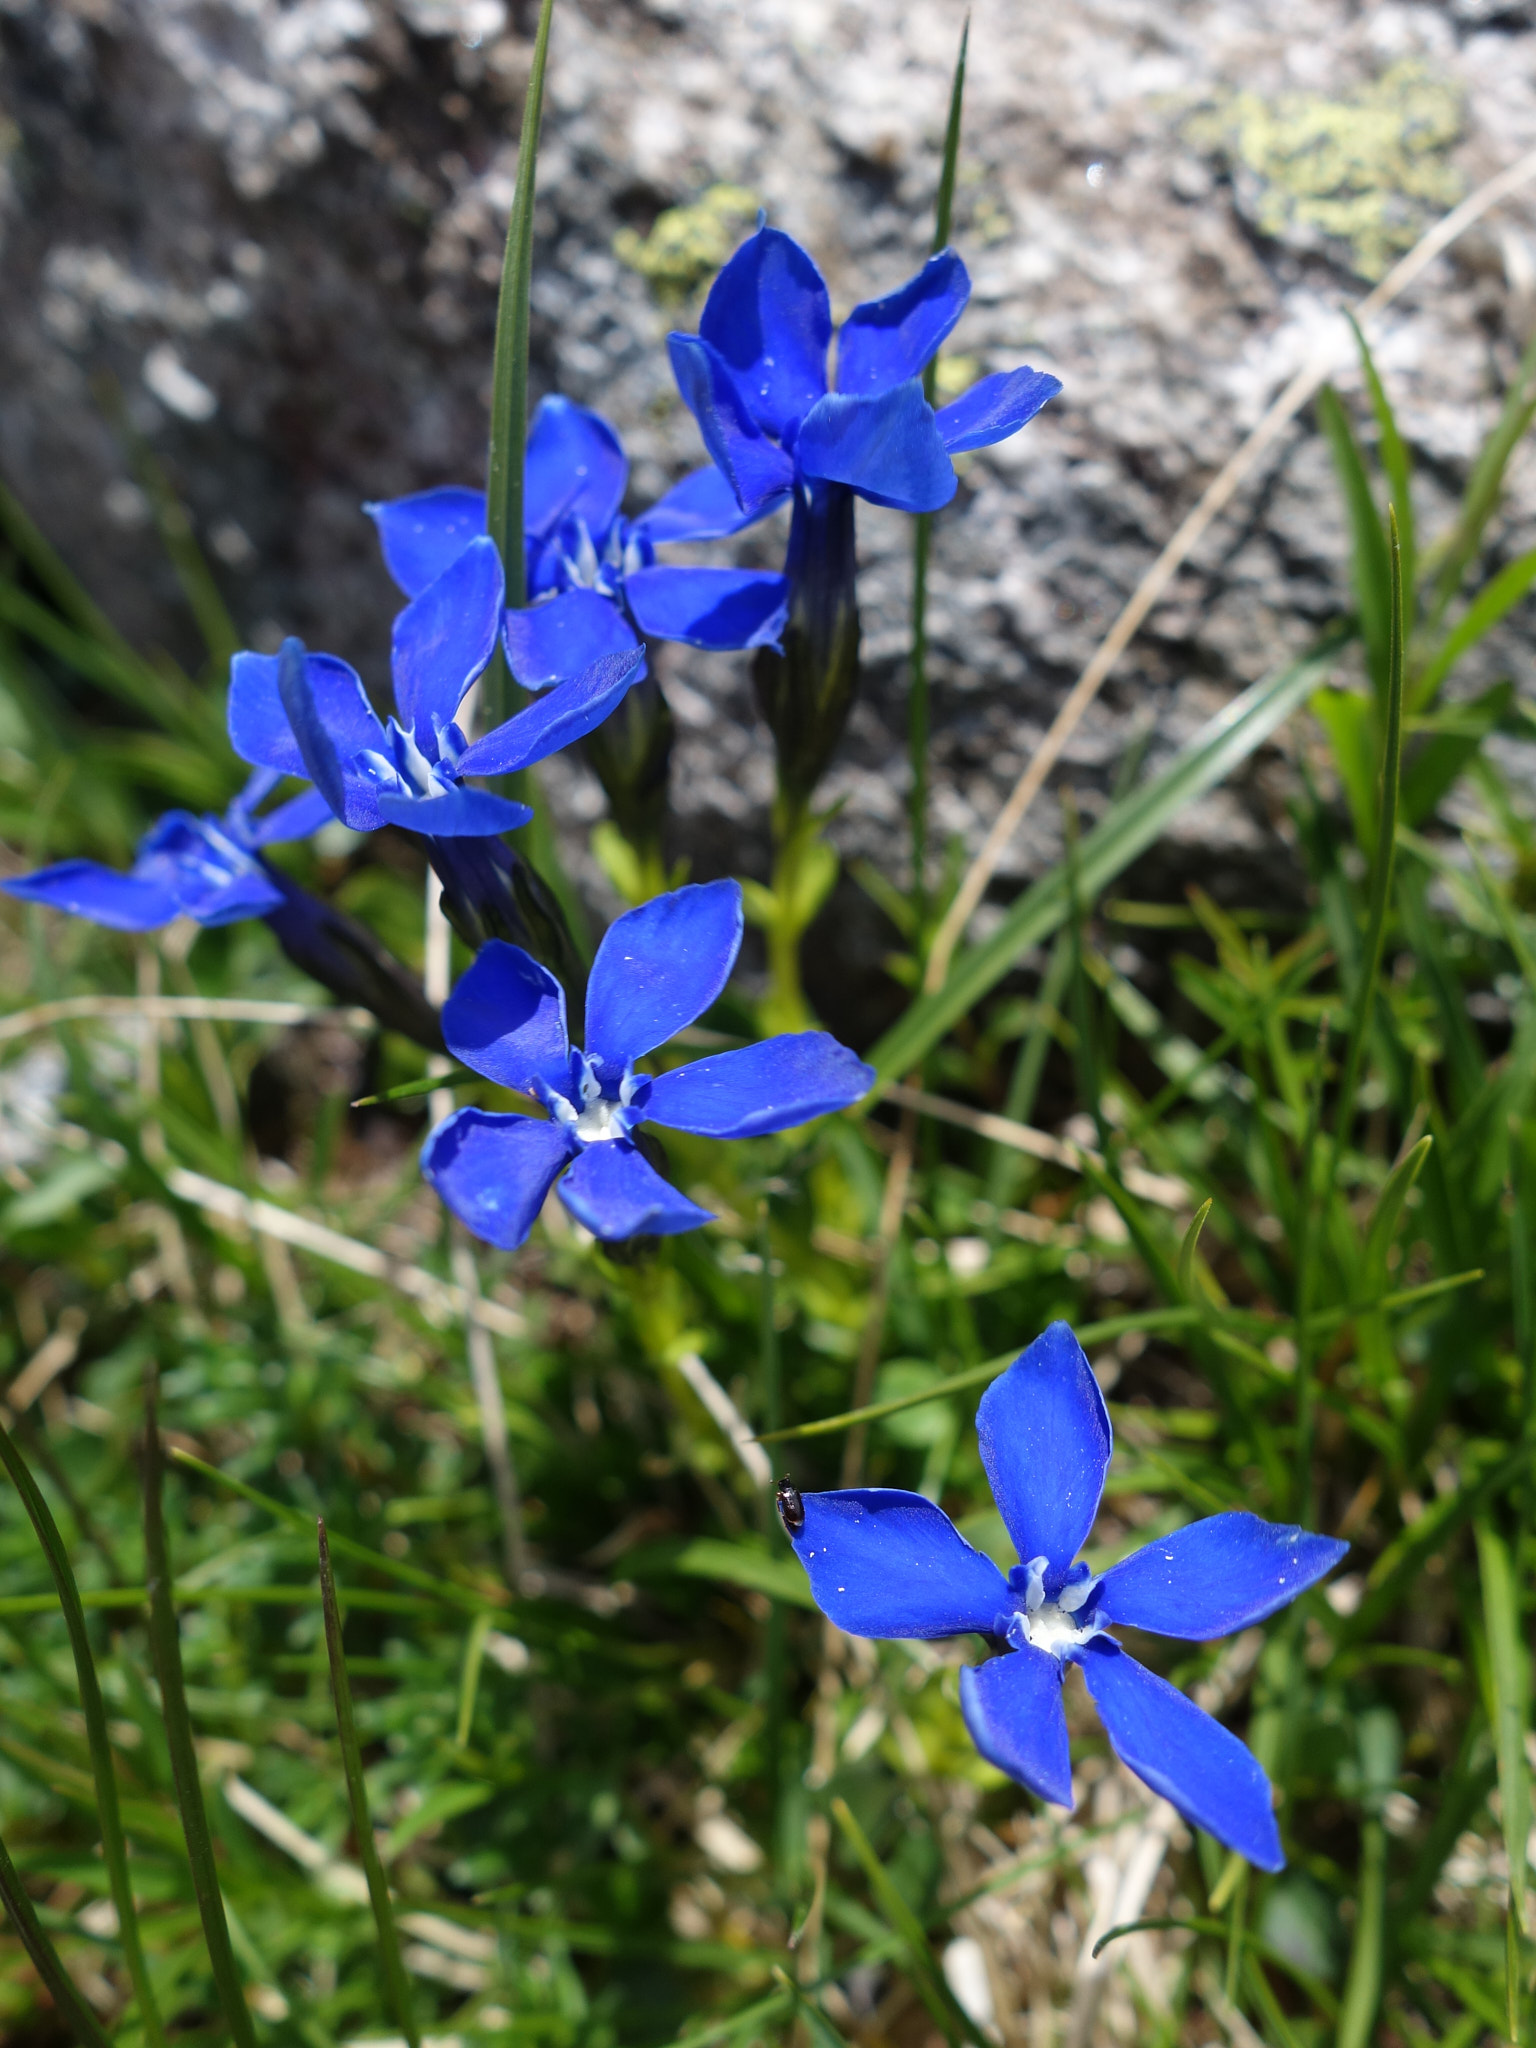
270 234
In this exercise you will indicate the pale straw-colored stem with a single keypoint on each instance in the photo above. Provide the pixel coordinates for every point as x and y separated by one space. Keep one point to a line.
1213 501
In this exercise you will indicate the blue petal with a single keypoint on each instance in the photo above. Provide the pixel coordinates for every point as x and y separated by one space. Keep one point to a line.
297 819
702 507
995 408
616 1194
1182 1753
885 341
446 637
575 469
758 470
212 875
1045 1441
258 725
885 447
494 1171
1012 1706
506 1019
760 1088
886 1563
84 888
564 635
769 318
659 967
1215 1577
426 533
319 754
566 713
453 814
719 608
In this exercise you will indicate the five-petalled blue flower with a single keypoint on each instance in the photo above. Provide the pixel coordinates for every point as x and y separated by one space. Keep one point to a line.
755 379
593 577
206 868
888 1563
308 714
657 969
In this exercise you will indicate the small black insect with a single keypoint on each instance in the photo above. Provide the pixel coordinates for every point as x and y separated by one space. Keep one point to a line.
791 1506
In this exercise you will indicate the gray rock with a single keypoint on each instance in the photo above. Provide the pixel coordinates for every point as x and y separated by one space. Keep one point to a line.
278 229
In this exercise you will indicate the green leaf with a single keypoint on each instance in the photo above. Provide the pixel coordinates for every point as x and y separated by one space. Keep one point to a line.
1397 466
1126 830
1372 571
71 2007
397 1984
952 2020
737 1564
1186 1260
1496 597
165 1651
428 1084
59 1194
1439 756
509 374
1389 1208
1349 719
114 1848
1486 483
1509 1708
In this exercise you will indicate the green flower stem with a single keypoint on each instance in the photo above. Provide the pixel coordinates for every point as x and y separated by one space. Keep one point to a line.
72 2009
918 705
396 1982
804 871
114 1847
165 1650
509 377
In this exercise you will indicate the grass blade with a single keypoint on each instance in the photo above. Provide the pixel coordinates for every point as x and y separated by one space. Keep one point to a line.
922 532
509 374
1486 483
1396 462
357 1793
1362 1986
1508 1674
165 1650
1498 596
72 2009
1186 1260
1126 830
948 2015
1386 848
1375 591
113 1845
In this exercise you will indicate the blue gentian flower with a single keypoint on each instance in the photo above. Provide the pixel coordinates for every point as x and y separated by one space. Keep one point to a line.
308 714
593 577
887 1563
755 379
206 868
657 969
212 869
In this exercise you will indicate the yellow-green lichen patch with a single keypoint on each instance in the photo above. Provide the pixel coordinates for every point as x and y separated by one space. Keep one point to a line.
686 244
1368 172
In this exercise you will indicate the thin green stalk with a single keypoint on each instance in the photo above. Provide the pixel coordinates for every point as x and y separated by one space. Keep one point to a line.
1386 847
771 1378
1362 1987
928 1980
509 374
1029 1071
918 709
72 2009
114 1847
395 1979
165 1650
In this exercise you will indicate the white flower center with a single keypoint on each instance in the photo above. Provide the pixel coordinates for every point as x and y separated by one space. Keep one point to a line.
595 1123
1050 1628
1052 1625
